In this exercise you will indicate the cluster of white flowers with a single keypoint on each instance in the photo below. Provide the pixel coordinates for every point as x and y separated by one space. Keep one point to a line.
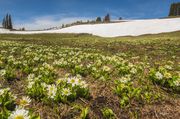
31 80
125 79
3 95
2 91
31 77
61 62
76 81
48 66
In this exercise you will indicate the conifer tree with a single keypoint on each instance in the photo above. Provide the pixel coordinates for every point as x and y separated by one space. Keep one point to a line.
174 9
107 18
3 23
10 22
7 22
98 19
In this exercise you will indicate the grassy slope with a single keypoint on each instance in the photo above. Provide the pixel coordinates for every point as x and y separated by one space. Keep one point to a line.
158 48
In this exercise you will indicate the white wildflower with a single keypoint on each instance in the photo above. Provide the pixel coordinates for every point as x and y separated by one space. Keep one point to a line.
83 84
168 67
30 77
66 92
159 75
19 114
133 71
44 85
52 89
25 101
73 81
177 82
2 72
106 68
30 84
130 65
2 92
36 58
125 79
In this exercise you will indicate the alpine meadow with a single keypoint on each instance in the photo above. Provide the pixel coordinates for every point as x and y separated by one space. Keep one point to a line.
104 67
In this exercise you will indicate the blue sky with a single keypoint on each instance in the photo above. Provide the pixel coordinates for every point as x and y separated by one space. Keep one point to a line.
39 14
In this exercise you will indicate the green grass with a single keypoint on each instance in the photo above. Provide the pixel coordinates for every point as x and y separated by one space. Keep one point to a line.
123 75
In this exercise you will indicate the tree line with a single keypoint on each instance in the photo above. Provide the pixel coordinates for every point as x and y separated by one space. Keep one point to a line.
7 22
106 19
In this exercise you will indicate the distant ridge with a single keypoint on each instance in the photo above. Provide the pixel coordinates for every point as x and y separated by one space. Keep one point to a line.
129 28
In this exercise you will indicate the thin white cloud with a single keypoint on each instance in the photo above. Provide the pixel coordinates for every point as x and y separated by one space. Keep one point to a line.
45 22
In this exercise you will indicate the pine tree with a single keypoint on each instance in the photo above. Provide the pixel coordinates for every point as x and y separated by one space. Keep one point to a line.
120 18
3 23
174 9
98 19
6 21
10 22
107 18
171 13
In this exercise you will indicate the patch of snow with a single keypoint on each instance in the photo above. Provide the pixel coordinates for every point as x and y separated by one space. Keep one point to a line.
2 30
129 28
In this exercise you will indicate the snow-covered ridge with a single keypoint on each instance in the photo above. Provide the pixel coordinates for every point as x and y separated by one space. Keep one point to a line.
129 28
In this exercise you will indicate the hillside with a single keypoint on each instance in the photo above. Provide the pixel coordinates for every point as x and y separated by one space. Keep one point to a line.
129 28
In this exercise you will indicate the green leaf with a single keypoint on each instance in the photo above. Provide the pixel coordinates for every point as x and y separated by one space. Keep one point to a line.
84 113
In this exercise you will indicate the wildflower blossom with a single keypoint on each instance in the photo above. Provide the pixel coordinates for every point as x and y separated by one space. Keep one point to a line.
125 79
30 77
73 81
177 82
159 75
83 84
168 67
66 92
30 84
36 58
19 114
133 71
106 68
24 101
2 92
131 65
44 85
52 89
2 72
